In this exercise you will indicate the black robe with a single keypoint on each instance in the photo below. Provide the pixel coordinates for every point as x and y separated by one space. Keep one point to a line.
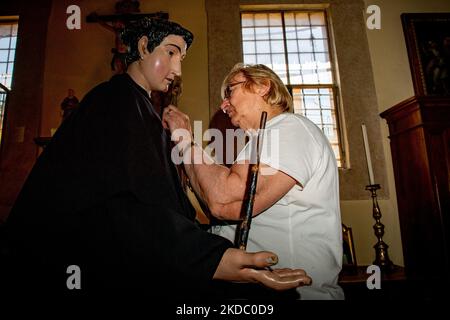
104 195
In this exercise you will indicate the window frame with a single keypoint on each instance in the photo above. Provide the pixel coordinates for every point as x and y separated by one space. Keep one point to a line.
9 62
333 65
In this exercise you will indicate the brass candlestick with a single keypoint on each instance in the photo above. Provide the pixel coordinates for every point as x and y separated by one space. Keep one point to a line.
381 248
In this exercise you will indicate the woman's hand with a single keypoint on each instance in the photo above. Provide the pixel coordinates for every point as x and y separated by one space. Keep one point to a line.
240 266
178 124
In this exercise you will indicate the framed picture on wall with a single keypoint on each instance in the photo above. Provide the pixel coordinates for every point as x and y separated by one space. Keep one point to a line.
349 264
427 37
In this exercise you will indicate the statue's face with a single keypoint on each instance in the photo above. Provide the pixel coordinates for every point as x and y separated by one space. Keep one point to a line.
163 64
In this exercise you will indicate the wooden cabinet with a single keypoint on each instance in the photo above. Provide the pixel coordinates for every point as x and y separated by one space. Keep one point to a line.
419 130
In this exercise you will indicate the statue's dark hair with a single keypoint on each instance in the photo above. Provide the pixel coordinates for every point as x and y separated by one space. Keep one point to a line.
156 30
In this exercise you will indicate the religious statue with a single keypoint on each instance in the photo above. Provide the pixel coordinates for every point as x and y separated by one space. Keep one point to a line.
118 64
125 12
69 104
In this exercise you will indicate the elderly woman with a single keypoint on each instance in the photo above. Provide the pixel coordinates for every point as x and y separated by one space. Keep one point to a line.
105 199
296 209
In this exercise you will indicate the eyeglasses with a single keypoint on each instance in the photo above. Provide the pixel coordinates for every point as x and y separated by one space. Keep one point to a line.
227 92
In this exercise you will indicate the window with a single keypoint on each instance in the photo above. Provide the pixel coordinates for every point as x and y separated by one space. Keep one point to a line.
8 39
295 44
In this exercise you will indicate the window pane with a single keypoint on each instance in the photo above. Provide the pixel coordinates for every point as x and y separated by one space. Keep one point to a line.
263 46
298 102
248 34
10 68
307 60
13 42
8 81
292 46
3 77
261 19
279 59
263 59
323 58
262 33
248 47
276 33
317 19
277 46
14 29
294 69
310 76
309 91
247 20
324 68
305 46
327 116
291 33
12 54
303 33
326 100
279 66
2 68
311 102
319 32
289 19
4 42
313 114
320 45
250 58
3 55
328 130
275 19
302 19
325 77
294 63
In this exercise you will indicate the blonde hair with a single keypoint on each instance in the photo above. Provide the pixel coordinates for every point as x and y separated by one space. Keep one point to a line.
259 74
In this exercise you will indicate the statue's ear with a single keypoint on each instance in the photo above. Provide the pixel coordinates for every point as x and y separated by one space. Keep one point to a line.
142 46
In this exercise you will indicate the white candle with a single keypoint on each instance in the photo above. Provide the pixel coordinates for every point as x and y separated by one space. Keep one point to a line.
366 148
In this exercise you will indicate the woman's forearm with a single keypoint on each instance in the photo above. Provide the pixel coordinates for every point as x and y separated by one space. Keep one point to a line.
214 183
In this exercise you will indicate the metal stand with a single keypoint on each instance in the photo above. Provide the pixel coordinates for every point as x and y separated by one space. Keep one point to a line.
381 248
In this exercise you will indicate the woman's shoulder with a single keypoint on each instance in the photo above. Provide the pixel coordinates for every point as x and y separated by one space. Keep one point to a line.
300 127
291 121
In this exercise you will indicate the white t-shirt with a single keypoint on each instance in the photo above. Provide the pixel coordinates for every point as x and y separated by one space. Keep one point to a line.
304 227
